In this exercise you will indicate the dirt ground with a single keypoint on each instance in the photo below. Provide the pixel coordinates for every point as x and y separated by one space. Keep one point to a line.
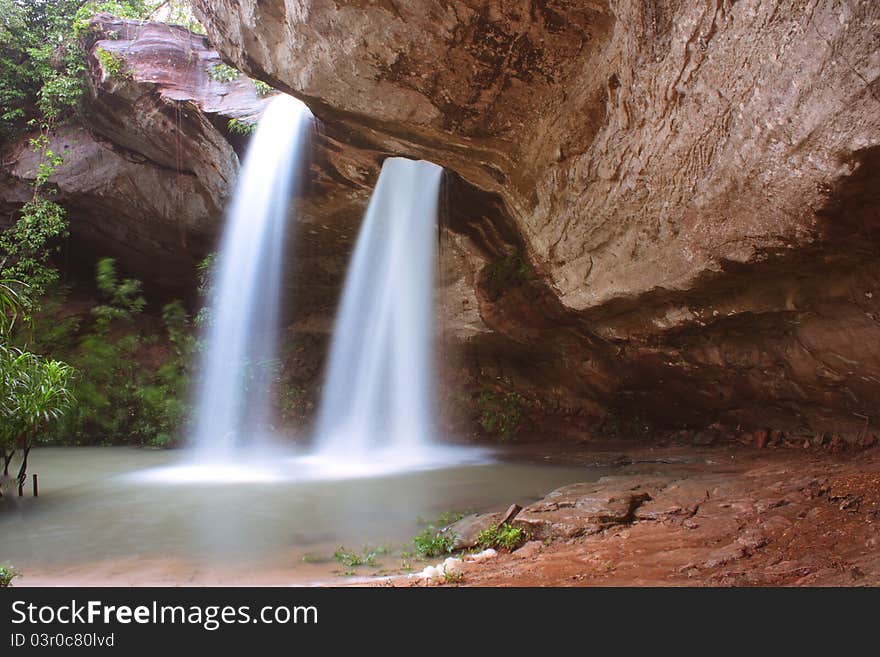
721 516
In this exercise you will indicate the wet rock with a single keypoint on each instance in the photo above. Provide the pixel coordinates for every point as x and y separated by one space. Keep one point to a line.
529 549
761 438
581 509
469 528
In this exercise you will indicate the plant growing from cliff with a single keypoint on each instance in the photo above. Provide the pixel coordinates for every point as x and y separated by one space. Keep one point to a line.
223 73
112 64
262 88
507 272
503 537
500 413
240 127
27 245
42 63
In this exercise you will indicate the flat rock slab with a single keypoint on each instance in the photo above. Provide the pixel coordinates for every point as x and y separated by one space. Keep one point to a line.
587 508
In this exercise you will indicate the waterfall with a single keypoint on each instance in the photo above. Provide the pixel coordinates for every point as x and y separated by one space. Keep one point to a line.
377 397
233 392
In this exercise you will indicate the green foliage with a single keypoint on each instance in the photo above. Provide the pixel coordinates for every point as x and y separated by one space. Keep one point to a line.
37 59
505 537
450 577
223 73
352 559
509 271
35 392
178 12
112 64
205 273
123 298
262 88
42 69
10 306
240 127
132 388
133 9
433 542
7 574
500 413
27 246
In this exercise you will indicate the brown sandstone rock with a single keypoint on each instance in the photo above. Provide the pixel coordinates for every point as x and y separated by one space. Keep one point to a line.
695 185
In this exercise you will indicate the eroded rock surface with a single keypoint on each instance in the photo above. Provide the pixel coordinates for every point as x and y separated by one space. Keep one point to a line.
729 517
695 185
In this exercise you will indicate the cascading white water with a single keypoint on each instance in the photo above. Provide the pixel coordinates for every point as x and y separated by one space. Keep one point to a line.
377 398
232 406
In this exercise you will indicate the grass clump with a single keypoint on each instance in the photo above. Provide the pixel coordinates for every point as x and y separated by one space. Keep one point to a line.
504 537
367 557
7 574
452 578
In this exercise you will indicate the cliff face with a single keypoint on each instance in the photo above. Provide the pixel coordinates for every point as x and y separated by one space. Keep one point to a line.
656 212
694 184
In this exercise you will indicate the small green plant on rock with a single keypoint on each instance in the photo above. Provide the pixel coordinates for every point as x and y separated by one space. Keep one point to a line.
223 73
500 413
113 64
262 88
505 273
7 574
504 537
240 127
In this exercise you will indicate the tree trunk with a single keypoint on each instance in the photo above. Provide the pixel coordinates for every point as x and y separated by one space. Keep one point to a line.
22 471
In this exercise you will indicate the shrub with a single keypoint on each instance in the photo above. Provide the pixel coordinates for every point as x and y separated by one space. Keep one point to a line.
433 542
504 537
223 73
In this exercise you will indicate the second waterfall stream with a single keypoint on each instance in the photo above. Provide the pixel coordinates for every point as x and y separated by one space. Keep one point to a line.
377 401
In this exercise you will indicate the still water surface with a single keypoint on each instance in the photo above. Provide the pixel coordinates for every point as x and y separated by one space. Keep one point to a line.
98 521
